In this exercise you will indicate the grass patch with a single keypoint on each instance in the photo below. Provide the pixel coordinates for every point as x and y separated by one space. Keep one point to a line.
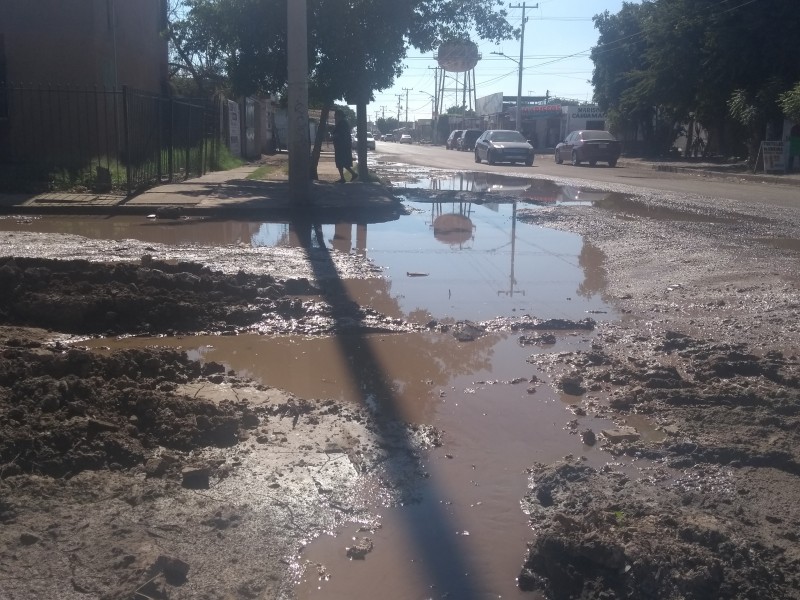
267 172
224 160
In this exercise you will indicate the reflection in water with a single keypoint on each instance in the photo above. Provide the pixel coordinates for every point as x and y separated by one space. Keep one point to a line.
493 431
454 228
537 191
592 260
209 232
631 208
478 258
511 291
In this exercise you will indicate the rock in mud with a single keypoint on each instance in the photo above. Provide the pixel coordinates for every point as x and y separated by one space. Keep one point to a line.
466 331
360 548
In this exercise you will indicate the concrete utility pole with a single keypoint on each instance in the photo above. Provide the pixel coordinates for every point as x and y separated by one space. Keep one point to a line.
297 65
399 106
521 48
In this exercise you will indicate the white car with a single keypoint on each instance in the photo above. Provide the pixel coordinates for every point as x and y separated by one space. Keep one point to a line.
370 142
405 139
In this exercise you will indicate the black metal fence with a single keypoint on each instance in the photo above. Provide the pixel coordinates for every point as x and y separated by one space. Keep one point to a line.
57 138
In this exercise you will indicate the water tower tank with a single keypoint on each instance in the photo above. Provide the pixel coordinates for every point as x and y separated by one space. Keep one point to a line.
458 56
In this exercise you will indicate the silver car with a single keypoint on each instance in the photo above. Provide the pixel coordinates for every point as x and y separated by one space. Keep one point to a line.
503 145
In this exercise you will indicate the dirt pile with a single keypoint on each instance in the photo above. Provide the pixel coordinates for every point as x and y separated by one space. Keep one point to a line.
117 468
715 516
707 353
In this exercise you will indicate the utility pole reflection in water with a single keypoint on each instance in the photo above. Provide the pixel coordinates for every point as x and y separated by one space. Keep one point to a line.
511 291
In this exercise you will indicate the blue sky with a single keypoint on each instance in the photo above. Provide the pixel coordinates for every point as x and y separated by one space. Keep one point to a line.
558 37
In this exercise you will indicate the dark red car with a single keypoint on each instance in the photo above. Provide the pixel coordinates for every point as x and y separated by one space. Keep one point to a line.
589 146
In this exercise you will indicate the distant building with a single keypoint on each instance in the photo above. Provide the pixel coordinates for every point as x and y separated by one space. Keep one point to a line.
543 123
104 43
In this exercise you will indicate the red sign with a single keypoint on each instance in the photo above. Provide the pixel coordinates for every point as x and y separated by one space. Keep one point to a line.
543 108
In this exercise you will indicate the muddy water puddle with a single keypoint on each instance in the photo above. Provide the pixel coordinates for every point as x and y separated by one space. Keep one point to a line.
444 260
465 537
523 189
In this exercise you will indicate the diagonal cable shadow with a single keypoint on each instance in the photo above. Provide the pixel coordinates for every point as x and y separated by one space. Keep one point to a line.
448 569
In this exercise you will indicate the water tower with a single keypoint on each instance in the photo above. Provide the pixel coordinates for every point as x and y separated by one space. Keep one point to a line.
457 60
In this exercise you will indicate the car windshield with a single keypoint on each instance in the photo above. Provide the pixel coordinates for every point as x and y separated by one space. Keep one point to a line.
596 135
507 136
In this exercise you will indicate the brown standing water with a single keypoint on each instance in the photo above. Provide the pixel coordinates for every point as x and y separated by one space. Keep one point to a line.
464 536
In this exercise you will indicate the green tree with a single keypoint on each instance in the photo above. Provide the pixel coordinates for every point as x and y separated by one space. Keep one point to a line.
355 48
790 103
386 125
665 62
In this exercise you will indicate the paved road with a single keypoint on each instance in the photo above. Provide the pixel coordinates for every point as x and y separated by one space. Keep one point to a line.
631 173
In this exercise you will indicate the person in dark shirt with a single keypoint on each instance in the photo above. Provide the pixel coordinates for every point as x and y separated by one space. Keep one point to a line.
342 146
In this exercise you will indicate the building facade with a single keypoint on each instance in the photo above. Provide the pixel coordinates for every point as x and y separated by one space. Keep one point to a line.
80 43
542 122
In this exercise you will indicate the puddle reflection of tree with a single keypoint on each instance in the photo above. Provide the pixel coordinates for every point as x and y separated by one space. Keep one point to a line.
445 562
592 261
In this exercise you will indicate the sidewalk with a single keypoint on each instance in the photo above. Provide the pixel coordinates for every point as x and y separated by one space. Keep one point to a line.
224 193
734 172
231 193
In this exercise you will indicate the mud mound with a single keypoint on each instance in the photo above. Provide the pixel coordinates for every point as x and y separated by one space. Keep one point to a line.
83 297
602 535
716 516
156 297
66 411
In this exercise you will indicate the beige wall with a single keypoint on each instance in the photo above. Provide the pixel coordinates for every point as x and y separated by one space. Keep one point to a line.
72 42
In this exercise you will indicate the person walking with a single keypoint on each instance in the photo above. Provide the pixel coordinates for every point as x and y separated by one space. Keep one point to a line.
342 146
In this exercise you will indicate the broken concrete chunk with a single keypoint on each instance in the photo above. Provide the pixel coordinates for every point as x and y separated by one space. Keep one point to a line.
621 434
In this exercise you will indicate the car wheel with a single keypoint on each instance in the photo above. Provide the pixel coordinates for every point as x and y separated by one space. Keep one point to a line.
477 157
559 160
490 157
529 162
575 160
612 163
592 163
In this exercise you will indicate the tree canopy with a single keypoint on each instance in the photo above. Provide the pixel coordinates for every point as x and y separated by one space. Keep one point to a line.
724 64
355 47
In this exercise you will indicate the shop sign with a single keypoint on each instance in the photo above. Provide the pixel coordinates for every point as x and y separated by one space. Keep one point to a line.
773 156
587 112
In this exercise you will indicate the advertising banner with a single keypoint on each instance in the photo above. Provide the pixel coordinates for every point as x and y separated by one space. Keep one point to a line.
773 156
489 105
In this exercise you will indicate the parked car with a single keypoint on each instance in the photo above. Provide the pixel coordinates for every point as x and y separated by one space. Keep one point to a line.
389 137
503 145
466 143
452 140
370 142
589 146
405 138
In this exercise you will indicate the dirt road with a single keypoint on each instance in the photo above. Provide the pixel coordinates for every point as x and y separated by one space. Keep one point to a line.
144 474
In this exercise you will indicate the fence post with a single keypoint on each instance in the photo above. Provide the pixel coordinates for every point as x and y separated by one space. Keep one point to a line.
170 144
126 130
160 142
188 143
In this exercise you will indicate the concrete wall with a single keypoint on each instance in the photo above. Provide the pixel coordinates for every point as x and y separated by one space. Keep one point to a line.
85 43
